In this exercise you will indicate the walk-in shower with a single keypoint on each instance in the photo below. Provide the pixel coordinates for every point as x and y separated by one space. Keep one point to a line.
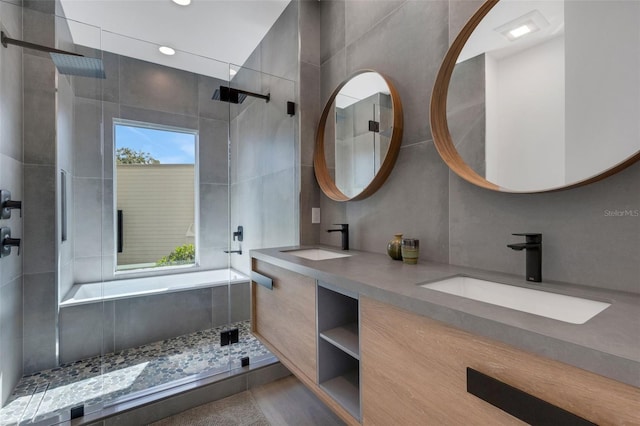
87 335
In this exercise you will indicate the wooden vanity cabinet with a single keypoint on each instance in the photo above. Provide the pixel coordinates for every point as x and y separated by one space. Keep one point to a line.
284 317
414 372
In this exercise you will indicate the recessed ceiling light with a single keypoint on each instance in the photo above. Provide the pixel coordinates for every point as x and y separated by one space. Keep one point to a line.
523 25
182 2
167 50
232 72
520 31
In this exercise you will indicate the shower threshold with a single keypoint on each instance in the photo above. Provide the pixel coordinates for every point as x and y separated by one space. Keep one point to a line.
130 377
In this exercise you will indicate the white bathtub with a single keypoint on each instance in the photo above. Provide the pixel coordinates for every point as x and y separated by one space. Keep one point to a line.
135 287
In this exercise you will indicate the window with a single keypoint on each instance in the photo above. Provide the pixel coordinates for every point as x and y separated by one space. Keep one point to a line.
155 193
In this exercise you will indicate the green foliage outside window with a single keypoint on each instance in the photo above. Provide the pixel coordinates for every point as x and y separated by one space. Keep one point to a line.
181 255
129 156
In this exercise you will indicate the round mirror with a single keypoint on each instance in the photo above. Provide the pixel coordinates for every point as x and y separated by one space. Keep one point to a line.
537 96
358 138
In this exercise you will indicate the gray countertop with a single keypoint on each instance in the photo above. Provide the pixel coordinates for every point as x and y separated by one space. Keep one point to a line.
608 344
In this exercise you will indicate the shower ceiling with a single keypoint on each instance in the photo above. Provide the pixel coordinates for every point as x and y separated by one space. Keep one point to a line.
226 30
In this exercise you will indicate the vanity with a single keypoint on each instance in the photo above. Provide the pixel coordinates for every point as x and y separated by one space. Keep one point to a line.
378 345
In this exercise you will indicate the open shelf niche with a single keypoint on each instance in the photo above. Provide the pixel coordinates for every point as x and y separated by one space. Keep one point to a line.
339 346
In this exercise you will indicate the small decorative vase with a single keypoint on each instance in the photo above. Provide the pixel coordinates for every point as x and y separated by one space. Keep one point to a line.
394 248
410 250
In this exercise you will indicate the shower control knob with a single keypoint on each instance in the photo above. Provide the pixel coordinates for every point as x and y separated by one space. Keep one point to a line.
8 204
8 242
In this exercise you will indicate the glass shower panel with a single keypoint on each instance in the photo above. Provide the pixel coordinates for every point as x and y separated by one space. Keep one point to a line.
62 335
263 185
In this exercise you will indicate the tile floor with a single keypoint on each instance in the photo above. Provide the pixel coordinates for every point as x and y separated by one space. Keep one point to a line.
99 381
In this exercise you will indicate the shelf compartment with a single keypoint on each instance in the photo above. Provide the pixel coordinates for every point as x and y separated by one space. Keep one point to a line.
345 389
345 338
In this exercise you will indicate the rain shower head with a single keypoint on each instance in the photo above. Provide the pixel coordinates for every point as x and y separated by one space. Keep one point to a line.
235 96
67 62
80 66
227 94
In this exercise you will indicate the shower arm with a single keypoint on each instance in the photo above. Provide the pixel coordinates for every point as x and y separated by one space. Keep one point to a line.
266 97
6 41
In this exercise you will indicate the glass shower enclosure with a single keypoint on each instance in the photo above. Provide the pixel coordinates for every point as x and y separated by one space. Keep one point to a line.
161 190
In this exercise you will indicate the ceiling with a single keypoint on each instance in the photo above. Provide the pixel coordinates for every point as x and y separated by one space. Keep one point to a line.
207 35
487 39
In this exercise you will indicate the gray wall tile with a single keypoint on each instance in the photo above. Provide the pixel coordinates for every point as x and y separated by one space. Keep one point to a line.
332 27
87 146
581 244
362 15
460 11
156 116
220 306
88 210
278 210
86 331
141 320
309 198
93 269
332 72
39 237
417 36
44 6
39 110
10 335
279 55
145 85
309 95
309 31
213 148
240 302
11 18
40 309
11 178
38 28
214 216
11 98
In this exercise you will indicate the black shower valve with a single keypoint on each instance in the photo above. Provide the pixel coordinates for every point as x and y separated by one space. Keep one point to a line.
7 204
6 242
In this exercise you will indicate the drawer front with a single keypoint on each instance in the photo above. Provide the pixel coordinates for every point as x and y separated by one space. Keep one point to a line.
419 366
285 316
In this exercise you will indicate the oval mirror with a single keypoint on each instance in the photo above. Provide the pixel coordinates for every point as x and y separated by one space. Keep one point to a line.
537 96
359 137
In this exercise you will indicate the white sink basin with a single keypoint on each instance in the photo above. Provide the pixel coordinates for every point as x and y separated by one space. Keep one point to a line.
569 309
316 254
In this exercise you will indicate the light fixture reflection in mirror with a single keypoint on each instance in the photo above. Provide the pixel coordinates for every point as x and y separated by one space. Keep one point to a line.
358 137
554 108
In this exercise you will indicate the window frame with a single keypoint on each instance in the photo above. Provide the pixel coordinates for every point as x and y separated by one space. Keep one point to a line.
158 270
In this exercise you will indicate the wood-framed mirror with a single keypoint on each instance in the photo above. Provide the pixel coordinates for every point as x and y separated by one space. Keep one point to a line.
358 137
539 96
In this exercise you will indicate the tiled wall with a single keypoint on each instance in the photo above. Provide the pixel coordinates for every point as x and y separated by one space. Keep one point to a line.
264 144
11 178
456 221
40 146
127 323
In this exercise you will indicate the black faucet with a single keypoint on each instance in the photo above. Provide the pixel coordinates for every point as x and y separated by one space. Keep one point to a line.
533 246
344 228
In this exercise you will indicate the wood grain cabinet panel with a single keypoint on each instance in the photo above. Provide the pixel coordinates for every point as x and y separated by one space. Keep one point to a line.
414 373
285 317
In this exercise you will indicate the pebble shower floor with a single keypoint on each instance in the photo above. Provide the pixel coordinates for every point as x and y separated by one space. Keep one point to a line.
101 380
